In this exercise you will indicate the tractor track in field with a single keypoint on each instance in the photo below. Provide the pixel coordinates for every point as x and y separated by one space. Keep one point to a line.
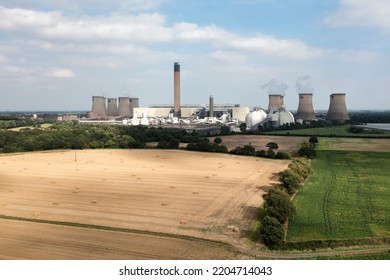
368 209
328 191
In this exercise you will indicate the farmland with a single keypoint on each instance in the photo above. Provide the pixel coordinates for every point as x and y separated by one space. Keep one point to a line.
128 194
339 131
347 197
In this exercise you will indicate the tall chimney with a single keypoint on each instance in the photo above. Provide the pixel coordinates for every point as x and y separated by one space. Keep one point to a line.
112 107
176 69
337 108
305 107
124 107
275 101
98 107
211 106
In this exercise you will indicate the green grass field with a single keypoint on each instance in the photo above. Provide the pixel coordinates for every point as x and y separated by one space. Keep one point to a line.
347 197
341 131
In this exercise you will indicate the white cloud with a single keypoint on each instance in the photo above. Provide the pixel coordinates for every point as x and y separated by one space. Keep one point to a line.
98 6
374 13
60 73
141 30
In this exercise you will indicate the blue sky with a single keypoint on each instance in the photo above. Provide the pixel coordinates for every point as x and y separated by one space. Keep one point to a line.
55 55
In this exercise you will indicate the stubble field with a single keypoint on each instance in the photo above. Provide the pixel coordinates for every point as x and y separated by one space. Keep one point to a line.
199 195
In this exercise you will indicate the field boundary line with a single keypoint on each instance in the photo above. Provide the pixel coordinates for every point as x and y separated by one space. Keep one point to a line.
117 229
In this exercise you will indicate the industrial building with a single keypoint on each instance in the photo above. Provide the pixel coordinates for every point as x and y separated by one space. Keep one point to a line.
128 110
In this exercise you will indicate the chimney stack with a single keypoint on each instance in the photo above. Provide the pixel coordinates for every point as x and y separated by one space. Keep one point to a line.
305 107
176 69
337 108
211 106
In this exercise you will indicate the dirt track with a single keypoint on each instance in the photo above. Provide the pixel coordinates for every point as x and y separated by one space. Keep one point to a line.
211 196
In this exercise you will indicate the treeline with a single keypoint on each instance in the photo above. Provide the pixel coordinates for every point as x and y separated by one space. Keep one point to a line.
369 117
278 207
71 135
15 123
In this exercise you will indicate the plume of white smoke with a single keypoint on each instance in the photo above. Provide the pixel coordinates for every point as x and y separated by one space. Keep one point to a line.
275 88
304 85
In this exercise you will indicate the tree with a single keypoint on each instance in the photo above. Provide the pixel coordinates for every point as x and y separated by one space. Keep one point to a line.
278 205
272 232
291 181
218 140
272 146
243 127
313 140
307 152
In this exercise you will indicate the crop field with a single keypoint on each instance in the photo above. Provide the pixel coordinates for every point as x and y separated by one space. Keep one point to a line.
340 131
106 193
288 144
347 197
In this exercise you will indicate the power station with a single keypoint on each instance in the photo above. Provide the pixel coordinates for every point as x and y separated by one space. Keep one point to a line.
128 109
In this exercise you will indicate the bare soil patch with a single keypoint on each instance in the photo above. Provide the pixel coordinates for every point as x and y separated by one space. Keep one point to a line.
213 196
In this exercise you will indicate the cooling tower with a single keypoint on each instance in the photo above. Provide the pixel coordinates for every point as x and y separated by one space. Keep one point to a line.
98 107
112 107
305 107
134 103
275 101
337 108
176 89
211 106
124 107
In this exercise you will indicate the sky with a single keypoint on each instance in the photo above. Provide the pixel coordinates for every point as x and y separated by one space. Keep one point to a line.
56 55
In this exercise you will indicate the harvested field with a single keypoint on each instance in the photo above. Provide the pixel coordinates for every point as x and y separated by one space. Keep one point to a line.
212 196
26 240
288 144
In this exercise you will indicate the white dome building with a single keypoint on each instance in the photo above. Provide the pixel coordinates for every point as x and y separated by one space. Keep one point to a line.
254 118
285 117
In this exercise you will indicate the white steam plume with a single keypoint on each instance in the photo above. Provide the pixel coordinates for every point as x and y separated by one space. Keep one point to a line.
275 88
304 85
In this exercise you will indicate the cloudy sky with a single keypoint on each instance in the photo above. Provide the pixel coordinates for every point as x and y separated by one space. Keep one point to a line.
55 55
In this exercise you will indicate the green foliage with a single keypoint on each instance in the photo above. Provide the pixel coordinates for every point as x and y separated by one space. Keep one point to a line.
278 205
313 139
247 150
307 152
283 155
272 232
71 135
291 181
261 153
243 127
225 130
204 145
272 146
218 140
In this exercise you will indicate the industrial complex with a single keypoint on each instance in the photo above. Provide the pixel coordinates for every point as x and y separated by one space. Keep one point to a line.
126 111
